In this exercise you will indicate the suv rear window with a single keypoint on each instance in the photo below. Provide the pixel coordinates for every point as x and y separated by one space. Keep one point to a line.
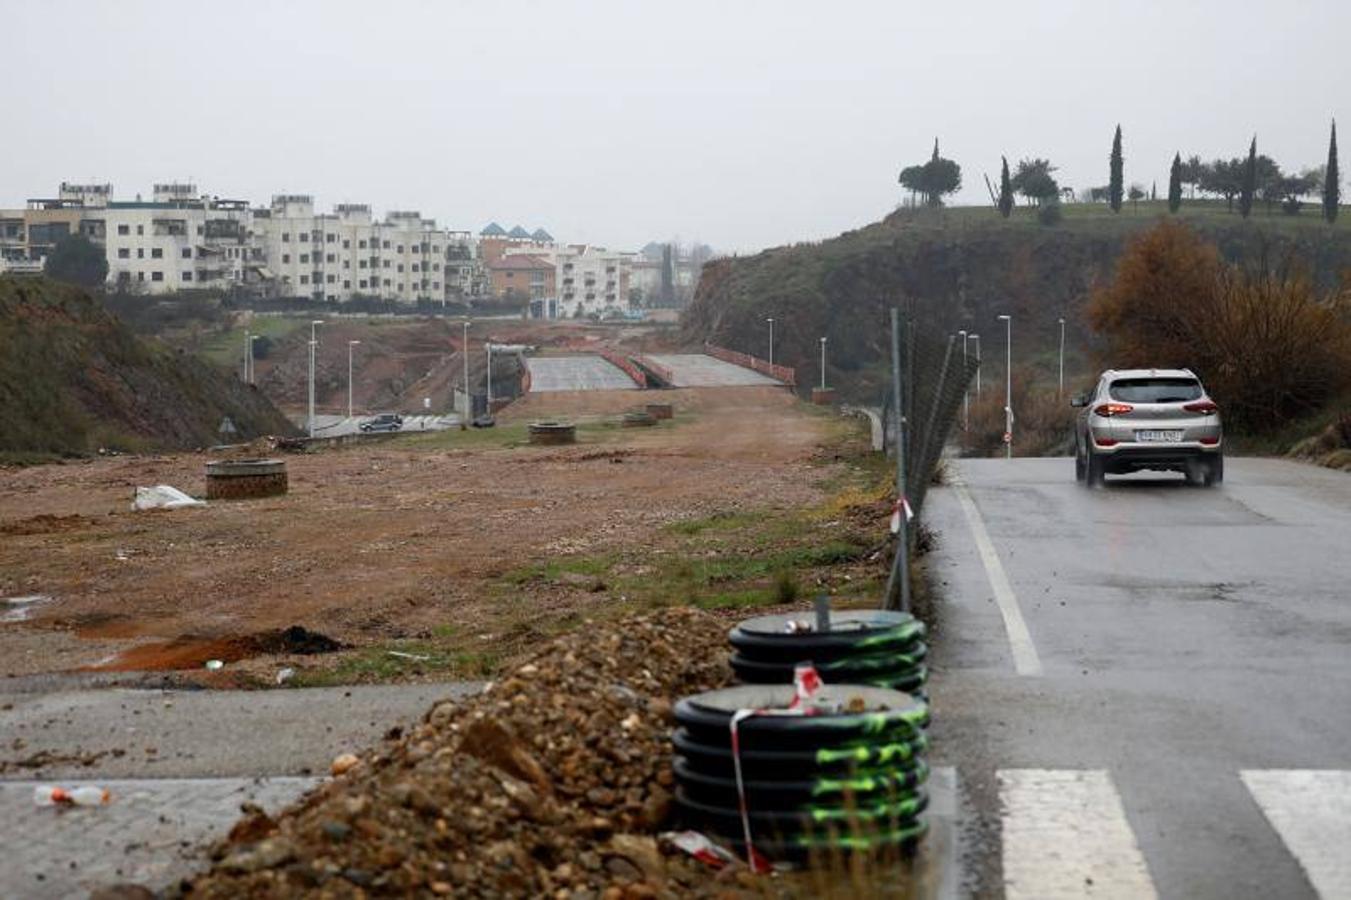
1155 390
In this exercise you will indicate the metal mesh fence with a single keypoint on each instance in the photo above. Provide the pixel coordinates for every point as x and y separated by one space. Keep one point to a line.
934 378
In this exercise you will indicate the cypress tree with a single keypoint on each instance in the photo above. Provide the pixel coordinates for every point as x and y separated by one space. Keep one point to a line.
1249 187
1005 190
1114 186
1175 184
1332 187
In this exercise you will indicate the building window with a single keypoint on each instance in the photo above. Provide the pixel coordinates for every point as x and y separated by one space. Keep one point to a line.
361 245
304 257
400 287
332 279
386 264
156 253
330 257
415 248
400 250
386 282
347 264
362 284
140 229
286 257
399 267
140 253
347 285
330 238
436 285
187 253
123 253
304 236
140 276
361 264
286 237
124 229
304 279
156 276
187 276
386 245
346 245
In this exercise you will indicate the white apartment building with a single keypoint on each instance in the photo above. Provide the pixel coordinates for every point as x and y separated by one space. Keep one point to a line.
345 254
588 280
180 240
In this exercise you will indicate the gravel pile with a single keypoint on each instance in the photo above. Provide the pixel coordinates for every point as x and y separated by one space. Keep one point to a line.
553 783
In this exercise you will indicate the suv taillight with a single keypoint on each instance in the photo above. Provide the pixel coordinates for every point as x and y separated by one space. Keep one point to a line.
1204 407
1108 410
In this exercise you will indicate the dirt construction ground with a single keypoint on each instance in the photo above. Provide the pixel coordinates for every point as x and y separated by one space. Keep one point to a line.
453 550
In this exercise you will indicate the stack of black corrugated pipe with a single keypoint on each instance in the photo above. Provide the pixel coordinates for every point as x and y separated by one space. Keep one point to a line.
846 774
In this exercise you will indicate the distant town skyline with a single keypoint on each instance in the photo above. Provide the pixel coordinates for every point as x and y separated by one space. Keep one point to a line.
741 125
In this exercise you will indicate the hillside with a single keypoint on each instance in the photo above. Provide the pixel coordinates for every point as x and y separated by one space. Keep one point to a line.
74 380
960 269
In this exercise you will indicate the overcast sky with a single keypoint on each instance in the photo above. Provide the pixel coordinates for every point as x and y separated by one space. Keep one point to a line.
743 124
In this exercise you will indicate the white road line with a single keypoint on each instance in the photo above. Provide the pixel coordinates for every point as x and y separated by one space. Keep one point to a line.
1311 811
1025 659
1066 836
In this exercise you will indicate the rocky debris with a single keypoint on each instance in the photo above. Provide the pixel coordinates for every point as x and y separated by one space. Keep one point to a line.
552 783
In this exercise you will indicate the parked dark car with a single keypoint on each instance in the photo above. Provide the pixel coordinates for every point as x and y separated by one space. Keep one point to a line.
383 422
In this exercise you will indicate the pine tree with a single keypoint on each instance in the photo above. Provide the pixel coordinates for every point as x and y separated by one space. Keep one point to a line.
1175 184
1114 186
1005 190
1332 187
1154 190
1249 187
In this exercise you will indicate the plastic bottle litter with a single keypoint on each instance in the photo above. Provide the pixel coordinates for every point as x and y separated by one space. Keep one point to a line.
214 664
86 795
285 675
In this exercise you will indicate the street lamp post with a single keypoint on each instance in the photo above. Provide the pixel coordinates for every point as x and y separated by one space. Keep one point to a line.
350 345
252 338
489 345
1008 386
1060 391
771 340
966 389
248 346
976 338
823 364
314 343
464 351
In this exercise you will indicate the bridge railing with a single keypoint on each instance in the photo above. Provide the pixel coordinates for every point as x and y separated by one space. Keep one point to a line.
624 363
656 368
764 367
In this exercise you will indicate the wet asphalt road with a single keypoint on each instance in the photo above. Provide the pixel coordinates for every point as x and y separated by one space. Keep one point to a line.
1186 638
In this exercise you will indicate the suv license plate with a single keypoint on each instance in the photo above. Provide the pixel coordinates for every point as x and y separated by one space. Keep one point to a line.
1158 437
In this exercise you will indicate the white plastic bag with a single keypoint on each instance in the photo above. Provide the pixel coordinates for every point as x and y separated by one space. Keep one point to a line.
162 496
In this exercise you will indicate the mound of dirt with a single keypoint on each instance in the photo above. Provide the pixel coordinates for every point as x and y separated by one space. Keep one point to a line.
74 380
554 782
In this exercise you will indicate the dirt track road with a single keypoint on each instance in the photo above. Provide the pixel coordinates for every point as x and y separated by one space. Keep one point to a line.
374 542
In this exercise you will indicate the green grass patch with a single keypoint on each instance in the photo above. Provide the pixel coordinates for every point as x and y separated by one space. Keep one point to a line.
226 348
382 663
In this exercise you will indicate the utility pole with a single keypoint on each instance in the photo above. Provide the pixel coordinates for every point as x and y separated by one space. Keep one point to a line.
823 364
1008 386
350 345
247 347
252 338
771 340
489 345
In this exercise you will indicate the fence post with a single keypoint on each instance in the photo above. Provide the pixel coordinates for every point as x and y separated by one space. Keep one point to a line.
900 567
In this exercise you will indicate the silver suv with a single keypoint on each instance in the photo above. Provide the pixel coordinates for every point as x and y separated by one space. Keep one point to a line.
1159 419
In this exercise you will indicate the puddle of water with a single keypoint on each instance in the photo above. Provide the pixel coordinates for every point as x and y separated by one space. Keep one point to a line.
19 609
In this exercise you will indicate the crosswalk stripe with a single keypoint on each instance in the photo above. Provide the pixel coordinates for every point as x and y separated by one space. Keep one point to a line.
1311 811
1065 835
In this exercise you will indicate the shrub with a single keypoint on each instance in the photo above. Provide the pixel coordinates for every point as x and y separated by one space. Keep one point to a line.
1049 213
1266 344
786 588
1043 423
